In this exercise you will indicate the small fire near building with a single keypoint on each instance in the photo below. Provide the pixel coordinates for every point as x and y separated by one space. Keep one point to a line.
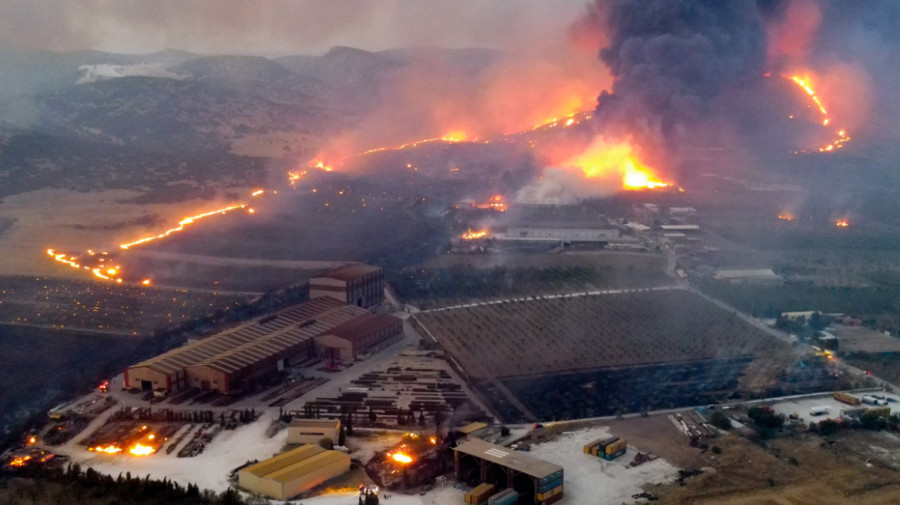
360 285
499 468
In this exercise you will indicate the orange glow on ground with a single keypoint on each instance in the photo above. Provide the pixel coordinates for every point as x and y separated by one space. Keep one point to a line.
401 458
786 216
109 449
140 449
842 223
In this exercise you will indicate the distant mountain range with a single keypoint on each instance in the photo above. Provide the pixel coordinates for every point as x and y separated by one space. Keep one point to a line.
176 101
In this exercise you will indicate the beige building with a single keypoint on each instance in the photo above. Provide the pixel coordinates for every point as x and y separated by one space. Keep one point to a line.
310 431
357 284
293 472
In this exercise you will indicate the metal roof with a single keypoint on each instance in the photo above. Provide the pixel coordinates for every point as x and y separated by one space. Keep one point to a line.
517 460
314 423
348 273
284 460
306 466
283 321
251 352
472 427
363 326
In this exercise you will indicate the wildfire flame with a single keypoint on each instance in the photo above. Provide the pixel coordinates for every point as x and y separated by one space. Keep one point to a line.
140 449
181 224
109 449
842 137
786 216
603 159
842 223
474 235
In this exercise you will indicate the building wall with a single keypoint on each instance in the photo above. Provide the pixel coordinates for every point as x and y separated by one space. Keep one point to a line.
366 291
312 434
135 376
325 287
249 481
312 479
207 379
568 234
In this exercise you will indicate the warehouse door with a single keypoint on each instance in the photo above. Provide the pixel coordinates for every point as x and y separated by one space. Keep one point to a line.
146 385
204 385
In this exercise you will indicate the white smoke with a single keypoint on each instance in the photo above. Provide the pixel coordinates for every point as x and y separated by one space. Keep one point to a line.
105 71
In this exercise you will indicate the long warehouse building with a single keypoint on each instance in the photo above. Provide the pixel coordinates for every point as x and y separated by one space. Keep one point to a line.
536 481
234 360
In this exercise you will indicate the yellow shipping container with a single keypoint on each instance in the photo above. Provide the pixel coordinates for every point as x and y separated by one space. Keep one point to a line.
479 493
616 446
553 492
846 398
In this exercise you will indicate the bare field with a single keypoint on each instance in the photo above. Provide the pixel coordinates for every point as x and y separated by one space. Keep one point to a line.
799 470
567 333
79 221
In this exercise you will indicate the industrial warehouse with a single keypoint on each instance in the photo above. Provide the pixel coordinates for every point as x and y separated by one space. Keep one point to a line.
293 472
500 469
233 360
357 284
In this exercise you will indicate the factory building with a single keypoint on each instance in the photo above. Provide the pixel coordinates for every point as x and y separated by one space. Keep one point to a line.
361 335
536 481
561 234
749 275
360 285
293 472
310 431
234 360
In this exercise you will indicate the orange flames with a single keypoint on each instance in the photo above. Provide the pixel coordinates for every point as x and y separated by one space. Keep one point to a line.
140 449
109 449
474 235
181 224
401 458
610 159
786 216
805 83
842 223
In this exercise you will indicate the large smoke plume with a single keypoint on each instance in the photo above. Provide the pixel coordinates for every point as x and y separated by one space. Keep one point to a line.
670 60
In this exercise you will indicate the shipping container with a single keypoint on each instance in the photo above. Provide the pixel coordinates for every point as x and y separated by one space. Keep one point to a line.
614 455
616 446
479 494
505 497
871 400
548 494
595 450
820 410
553 499
550 485
846 398
879 411
550 478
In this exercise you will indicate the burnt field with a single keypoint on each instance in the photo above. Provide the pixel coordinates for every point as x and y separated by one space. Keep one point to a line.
573 356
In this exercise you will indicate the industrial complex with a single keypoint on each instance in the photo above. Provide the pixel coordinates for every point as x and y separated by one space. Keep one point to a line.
233 360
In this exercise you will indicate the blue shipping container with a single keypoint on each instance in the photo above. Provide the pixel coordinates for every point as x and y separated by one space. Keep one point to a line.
614 455
553 476
550 485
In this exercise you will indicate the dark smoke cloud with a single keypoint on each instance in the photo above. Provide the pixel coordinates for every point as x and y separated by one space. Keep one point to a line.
670 59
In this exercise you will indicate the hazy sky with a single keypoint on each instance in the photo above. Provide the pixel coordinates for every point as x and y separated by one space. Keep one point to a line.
283 26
